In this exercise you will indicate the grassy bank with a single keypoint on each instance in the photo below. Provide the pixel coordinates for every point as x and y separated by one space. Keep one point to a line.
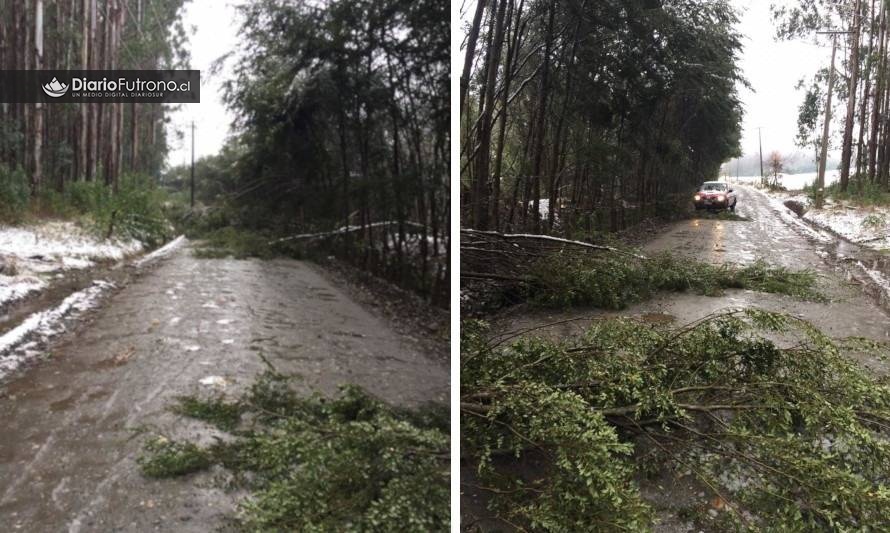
137 210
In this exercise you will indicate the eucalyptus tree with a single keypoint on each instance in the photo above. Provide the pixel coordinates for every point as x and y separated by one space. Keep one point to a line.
343 112
595 109
87 141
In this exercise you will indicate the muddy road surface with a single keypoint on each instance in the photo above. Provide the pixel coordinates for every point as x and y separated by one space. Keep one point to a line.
771 232
74 424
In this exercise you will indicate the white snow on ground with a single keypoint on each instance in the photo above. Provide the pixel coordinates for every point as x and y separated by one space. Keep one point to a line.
20 343
867 226
163 251
16 287
776 203
34 253
792 182
879 278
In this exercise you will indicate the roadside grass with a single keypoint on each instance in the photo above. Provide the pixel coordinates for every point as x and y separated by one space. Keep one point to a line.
135 211
348 463
613 281
859 192
783 436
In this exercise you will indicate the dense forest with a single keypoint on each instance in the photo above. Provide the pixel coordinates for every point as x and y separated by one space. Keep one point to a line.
57 144
346 130
340 141
598 110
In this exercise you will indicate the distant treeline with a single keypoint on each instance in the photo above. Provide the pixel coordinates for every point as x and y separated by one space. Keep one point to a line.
794 163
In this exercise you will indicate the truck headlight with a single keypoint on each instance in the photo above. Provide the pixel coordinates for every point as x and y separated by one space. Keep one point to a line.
697 197
720 198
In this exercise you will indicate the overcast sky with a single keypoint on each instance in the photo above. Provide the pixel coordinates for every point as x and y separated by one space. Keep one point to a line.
216 33
773 69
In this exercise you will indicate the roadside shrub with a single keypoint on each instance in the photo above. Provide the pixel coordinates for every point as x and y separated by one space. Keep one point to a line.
135 211
874 221
860 191
14 194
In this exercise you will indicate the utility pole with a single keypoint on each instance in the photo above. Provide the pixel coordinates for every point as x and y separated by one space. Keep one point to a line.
760 142
193 166
823 155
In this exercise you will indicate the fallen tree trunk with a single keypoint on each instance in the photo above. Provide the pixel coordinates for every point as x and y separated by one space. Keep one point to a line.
344 230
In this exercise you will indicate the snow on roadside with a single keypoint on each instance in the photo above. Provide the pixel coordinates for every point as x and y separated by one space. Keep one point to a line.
867 226
20 343
163 251
778 205
31 255
14 288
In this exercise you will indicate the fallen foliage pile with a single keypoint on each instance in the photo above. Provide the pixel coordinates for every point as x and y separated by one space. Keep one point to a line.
766 411
350 463
501 269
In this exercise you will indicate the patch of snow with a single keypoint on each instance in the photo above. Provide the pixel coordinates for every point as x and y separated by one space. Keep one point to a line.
879 278
869 226
55 240
41 252
14 288
163 251
776 203
76 263
214 381
20 344
192 348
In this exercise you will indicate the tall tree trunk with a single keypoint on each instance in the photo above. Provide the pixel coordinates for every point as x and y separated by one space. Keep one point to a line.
95 110
846 150
37 168
538 155
864 100
878 96
84 108
483 155
470 53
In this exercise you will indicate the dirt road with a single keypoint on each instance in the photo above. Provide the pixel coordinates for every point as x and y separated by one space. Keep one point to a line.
74 425
774 234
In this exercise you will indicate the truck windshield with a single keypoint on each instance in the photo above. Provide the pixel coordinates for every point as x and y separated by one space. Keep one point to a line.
713 187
